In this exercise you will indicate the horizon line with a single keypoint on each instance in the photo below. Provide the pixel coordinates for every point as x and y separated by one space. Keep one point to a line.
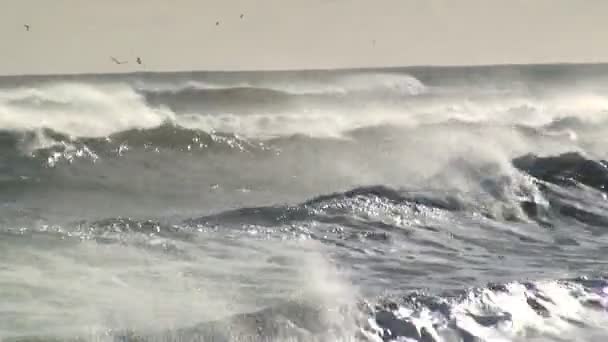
294 70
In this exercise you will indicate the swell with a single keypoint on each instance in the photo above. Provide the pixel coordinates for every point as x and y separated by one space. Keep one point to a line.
192 133
50 146
568 186
194 99
27 155
280 95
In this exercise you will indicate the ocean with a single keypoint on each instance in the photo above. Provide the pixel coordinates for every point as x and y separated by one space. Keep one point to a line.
405 204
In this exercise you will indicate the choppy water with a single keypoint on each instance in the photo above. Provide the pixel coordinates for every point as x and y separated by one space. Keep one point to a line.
420 204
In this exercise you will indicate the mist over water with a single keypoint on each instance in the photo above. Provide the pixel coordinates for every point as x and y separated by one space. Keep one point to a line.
420 204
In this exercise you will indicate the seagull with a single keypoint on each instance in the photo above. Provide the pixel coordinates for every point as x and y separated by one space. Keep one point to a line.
138 60
27 27
117 61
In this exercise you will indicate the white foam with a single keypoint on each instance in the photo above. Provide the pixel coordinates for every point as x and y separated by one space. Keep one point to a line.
341 85
77 109
563 301
400 83
96 110
73 289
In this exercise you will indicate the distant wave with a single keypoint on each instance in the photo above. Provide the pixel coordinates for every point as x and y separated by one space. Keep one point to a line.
102 109
340 85
77 109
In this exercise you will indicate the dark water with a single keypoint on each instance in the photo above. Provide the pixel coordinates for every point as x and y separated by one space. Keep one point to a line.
421 204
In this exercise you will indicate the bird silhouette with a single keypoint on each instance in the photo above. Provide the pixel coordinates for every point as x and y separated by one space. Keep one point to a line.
217 23
27 27
138 60
242 15
117 61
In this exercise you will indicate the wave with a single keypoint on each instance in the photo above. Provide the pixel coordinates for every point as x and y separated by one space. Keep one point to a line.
397 83
277 95
51 148
376 207
566 169
370 213
557 310
360 221
569 309
381 207
99 109
76 109
190 133
551 197
449 163
586 181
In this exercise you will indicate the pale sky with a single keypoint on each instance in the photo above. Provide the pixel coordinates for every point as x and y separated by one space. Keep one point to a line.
79 36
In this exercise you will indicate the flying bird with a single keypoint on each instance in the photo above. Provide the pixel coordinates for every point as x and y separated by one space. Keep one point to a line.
217 23
117 61
138 60
27 27
242 15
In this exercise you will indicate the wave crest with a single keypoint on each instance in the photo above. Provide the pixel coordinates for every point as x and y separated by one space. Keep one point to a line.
397 83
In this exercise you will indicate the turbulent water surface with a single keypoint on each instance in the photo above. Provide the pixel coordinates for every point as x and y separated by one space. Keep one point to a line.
420 204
